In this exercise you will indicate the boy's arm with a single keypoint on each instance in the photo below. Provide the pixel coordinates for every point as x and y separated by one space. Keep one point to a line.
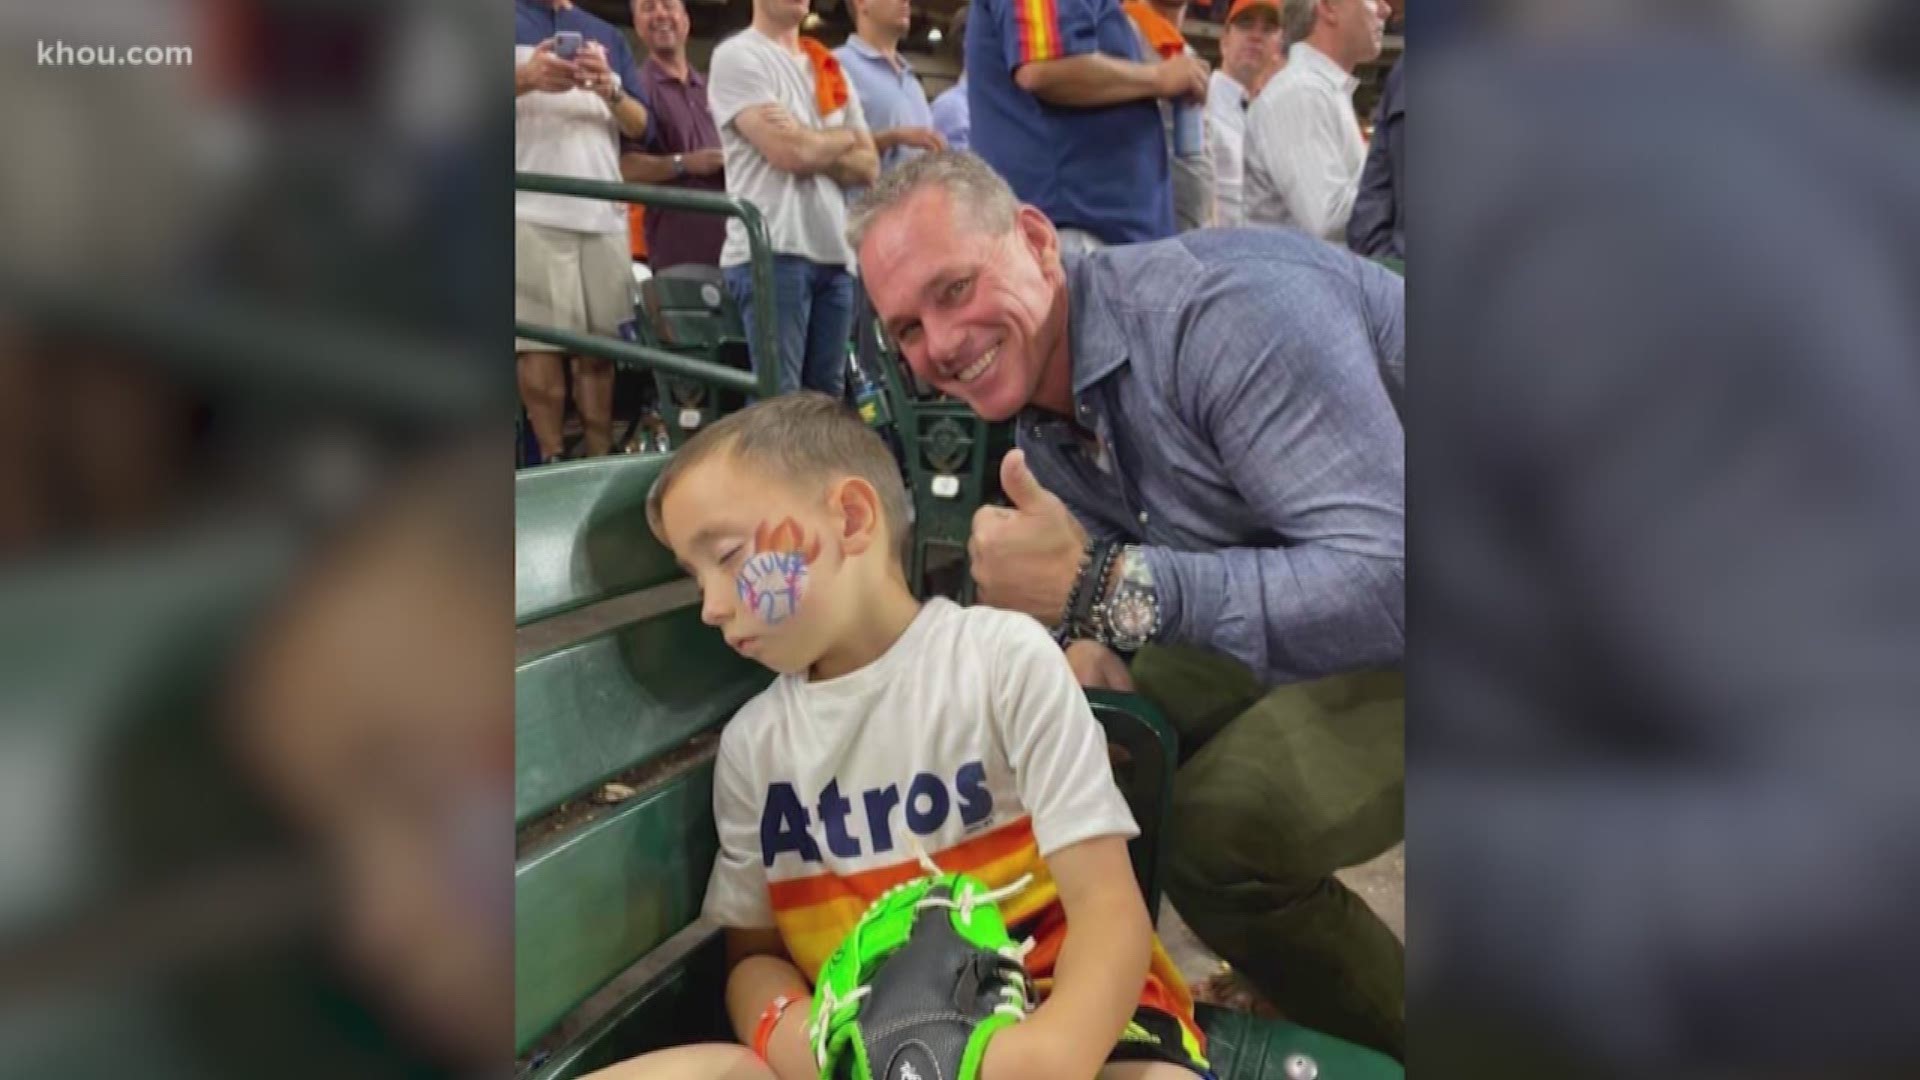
759 972
1096 981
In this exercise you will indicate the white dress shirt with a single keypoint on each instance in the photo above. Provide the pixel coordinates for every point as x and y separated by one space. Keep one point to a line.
1304 151
1227 109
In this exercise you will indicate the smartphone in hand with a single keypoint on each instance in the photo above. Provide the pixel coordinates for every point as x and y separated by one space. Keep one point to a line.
566 44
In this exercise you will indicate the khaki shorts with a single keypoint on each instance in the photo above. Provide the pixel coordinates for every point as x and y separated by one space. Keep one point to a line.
571 280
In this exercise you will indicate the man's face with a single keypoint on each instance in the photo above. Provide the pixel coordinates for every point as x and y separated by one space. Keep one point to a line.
661 24
1362 25
783 12
1251 45
973 313
894 16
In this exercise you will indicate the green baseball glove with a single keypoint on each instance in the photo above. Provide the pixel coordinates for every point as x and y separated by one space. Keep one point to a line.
920 984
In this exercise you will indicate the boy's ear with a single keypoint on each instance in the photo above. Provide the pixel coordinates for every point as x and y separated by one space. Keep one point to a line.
856 509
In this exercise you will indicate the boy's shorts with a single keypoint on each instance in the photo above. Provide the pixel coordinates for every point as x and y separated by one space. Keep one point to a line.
1153 1035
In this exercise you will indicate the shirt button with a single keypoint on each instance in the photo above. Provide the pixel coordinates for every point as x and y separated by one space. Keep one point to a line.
1143 517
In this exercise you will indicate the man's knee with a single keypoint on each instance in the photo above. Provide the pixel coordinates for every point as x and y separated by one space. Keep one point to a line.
1225 841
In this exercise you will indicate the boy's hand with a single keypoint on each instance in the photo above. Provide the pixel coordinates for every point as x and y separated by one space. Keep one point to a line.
1097 667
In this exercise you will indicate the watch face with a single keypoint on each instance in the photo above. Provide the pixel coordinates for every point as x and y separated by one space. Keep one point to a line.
1132 615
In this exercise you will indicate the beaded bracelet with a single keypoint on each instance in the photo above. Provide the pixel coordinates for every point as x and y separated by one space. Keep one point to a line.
1092 585
1063 633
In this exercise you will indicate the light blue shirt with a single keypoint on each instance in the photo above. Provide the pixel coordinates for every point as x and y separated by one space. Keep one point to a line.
1242 383
890 96
951 117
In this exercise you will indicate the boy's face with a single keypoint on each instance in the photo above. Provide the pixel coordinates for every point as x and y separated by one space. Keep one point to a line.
765 558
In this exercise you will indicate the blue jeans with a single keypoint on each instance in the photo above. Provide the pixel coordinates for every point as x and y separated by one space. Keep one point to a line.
813 307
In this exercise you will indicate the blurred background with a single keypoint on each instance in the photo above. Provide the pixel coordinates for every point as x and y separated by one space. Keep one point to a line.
1665 607
255 596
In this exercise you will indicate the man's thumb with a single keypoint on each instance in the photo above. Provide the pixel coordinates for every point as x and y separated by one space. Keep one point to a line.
1018 482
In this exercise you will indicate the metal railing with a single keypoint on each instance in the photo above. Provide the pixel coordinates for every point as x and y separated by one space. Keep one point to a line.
765 381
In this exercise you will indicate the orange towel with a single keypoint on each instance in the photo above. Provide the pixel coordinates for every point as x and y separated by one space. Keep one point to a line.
829 82
1162 36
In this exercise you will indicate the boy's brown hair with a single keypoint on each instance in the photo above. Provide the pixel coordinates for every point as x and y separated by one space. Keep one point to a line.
804 438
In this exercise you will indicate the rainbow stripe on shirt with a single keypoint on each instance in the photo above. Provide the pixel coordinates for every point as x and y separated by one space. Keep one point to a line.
1038 24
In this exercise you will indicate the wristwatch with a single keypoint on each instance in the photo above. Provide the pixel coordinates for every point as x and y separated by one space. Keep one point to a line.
1128 616
679 166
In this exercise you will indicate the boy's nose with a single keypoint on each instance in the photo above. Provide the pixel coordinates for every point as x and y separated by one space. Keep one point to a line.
716 606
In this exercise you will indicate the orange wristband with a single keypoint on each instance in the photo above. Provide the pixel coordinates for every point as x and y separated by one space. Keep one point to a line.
770 1019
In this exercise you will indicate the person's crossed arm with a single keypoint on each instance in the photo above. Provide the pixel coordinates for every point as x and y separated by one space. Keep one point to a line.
844 153
1054 54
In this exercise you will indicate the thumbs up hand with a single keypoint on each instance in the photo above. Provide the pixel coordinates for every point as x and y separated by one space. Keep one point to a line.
1025 558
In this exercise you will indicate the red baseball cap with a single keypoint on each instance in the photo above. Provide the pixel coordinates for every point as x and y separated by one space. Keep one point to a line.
1248 5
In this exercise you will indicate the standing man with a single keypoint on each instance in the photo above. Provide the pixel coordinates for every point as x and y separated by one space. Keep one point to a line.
951 118
890 93
572 265
794 136
1304 149
683 149
1251 52
1211 477
1068 111
1378 228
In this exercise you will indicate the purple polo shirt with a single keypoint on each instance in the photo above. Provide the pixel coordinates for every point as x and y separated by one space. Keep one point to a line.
682 122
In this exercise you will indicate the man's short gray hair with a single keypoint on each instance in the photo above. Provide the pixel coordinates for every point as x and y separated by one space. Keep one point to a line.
1297 18
969 181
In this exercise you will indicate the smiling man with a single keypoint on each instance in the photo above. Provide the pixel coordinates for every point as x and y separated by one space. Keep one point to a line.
1211 478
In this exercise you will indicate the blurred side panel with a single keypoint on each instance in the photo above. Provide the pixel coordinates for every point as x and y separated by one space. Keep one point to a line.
255 538
1665 451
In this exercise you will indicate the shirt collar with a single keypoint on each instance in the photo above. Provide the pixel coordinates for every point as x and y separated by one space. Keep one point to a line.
861 47
1094 339
659 71
1321 64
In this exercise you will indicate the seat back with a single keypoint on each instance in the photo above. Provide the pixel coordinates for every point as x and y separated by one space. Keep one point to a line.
617 682
1149 753
687 309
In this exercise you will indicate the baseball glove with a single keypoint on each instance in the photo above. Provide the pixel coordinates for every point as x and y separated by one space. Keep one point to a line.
920 985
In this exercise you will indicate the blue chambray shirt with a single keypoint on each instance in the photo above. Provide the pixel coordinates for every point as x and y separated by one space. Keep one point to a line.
1244 382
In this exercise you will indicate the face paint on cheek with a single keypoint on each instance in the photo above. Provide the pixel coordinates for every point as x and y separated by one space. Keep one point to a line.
774 580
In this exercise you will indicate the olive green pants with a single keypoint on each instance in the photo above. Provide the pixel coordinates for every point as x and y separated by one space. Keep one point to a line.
1277 789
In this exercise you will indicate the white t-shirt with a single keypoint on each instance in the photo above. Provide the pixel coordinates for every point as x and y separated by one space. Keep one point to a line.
572 133
1227 108
969 734
806 216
